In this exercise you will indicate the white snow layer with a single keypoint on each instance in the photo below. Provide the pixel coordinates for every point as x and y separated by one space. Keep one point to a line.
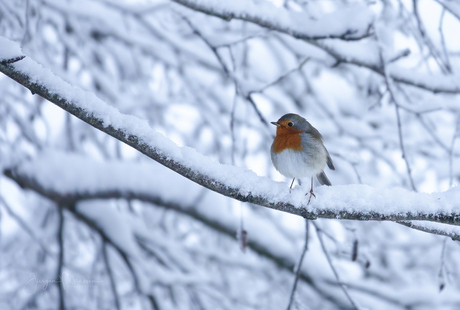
350 198
353 19
82 175
9 49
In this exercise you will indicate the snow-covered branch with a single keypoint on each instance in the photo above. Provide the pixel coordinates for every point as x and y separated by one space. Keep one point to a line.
300 25
210 75
356 202
336 25
138 181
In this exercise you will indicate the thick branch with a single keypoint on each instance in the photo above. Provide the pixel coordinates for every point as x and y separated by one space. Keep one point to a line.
24 176
335 202
218 224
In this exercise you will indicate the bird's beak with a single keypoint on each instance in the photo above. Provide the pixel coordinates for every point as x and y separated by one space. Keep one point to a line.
275 123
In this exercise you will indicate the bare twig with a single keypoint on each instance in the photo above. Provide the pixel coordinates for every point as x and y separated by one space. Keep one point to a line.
283 76
299 266
110 274
433 51
59 275
398 118
25 226
450 89
451 151
446 6
336 274
353 165
123 254
441 274
401 144
443 40
227 72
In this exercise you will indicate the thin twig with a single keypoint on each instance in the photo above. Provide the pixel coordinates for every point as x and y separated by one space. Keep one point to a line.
443 40
375 67
339 282
227 71
451 151
25 226
433 51
448 8
110 274
299 266
283 76
419 116
441 274
434 231
398 117
59 275
401 144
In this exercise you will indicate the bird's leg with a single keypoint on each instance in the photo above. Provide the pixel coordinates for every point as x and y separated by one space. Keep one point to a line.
311 192
292 183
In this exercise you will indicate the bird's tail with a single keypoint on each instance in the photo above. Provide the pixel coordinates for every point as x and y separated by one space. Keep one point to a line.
322 178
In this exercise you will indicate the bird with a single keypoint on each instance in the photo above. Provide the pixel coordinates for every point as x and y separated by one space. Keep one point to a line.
298 151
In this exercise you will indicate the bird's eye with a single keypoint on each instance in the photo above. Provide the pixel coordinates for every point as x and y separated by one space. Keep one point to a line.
290 124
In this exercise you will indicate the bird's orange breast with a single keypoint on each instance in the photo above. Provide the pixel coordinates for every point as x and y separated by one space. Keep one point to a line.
287 139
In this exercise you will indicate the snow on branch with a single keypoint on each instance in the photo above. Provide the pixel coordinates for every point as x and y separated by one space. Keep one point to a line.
300 25
356 202
9 52
336 25
366 54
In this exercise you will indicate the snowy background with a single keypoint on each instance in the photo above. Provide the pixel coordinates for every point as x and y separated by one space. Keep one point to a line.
88 222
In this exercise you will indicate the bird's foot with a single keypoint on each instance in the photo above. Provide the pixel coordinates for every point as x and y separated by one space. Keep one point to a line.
311 194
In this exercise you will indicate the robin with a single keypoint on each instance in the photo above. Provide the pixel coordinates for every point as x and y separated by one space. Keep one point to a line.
298 150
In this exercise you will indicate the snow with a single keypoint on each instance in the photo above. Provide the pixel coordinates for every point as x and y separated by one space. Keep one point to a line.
91 177
450 230
9 49
302 24
187 226
83 176
347 198
447 83
114 224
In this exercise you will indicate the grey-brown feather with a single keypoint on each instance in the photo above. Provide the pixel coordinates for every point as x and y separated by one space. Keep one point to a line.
329 162
322 178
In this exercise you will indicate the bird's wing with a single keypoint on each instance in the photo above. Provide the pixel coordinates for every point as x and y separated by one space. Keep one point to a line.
322 178
329 162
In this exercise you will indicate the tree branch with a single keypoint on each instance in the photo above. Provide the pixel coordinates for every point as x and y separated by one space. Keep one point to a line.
150 195
285 21
12 60
60 261
343 286
348 35
109 270
299 266
334 202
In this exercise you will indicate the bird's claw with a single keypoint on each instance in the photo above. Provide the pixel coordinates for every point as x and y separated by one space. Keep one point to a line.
311 194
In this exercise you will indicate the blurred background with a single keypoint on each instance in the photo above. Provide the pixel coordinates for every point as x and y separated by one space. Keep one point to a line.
89 223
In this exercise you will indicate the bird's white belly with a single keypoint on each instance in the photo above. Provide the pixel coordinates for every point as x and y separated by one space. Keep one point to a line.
294 164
